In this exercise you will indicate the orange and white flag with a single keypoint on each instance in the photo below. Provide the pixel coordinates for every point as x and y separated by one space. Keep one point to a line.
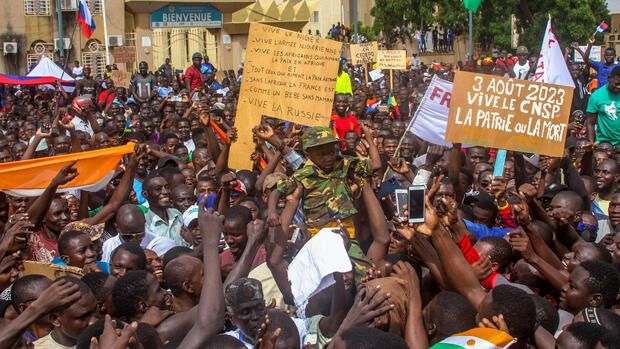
30 177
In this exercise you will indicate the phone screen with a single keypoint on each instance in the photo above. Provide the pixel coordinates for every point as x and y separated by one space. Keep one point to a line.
416 204
402 196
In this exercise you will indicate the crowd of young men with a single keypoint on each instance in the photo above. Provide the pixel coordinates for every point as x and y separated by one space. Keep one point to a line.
307 249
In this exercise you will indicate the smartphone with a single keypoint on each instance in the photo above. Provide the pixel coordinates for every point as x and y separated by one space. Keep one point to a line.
176 99
402 198
417 194
388 187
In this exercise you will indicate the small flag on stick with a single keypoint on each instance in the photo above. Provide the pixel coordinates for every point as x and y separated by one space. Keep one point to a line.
602 27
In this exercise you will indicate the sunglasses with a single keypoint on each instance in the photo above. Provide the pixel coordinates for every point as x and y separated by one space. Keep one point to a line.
582 227
484 183
396 235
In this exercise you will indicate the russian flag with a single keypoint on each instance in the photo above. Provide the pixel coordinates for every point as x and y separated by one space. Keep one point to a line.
86 20
602 27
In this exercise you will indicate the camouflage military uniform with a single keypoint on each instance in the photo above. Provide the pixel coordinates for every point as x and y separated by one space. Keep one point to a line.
326 196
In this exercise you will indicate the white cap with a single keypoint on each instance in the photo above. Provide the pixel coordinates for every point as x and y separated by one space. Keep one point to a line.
190 215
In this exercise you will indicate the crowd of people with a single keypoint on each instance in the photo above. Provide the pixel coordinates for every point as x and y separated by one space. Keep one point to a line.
308 248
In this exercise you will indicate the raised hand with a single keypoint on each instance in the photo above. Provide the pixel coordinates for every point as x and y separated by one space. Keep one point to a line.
497 323
16 236
231 135
364 310
498 188
263 131
66 174
210 222
482 268
362 149
405 272
528 191
522 210
257 230
266 341
398 165
521 242
58 294
115 339
155 316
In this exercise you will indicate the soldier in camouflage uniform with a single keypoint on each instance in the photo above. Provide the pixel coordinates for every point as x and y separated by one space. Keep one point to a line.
327 184
323 182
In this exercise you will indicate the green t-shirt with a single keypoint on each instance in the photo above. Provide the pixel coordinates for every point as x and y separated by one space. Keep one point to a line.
605 105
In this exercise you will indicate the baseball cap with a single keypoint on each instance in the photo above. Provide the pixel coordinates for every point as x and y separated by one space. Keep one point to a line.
271 180
242 291
197 55
318 135
190 215
522 50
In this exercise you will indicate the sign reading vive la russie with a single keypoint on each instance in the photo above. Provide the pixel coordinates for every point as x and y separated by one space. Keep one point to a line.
187 16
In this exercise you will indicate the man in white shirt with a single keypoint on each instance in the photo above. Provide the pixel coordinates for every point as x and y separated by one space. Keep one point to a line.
77 71
522 66
130 223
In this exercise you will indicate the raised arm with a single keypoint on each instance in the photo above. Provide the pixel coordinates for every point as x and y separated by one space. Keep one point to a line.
222 159
38 137
57 294
122 190
211 309
256 231
378 226
39 207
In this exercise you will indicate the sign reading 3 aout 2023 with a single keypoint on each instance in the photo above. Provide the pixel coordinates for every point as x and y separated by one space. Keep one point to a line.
187 16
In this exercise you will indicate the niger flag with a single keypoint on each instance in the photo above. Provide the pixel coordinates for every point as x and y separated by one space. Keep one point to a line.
31 177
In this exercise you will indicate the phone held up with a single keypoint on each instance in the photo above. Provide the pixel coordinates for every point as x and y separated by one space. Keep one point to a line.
414 197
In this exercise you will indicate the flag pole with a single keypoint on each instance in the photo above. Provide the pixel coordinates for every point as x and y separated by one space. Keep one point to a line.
105 34
61 42
471 33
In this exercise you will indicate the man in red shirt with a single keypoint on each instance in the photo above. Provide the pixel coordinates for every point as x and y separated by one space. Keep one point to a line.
342 120
193 74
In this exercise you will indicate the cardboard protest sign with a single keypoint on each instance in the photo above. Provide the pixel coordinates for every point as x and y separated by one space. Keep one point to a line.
509 114
121 78
286 75
52 271
392 59
124 54
431 118
595 54
364 53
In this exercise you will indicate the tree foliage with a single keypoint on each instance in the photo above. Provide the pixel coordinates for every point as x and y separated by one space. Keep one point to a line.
573 20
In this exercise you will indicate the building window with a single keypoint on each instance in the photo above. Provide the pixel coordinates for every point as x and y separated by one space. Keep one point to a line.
69 5
95 7
37 7
31 60
314 17
96 62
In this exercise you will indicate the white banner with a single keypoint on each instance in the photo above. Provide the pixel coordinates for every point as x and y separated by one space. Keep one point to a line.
431 118
551 67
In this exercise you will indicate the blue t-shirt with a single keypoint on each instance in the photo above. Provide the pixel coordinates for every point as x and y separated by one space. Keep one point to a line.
603 71
481 231
137 187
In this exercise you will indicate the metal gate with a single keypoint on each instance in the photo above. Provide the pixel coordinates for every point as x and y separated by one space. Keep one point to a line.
180 44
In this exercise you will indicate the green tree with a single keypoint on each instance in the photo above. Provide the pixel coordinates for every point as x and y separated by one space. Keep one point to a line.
573 20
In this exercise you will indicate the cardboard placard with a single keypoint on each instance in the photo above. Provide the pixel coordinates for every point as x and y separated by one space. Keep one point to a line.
52 271
364 53
287 75
124 54
509 114
392 59
121 78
